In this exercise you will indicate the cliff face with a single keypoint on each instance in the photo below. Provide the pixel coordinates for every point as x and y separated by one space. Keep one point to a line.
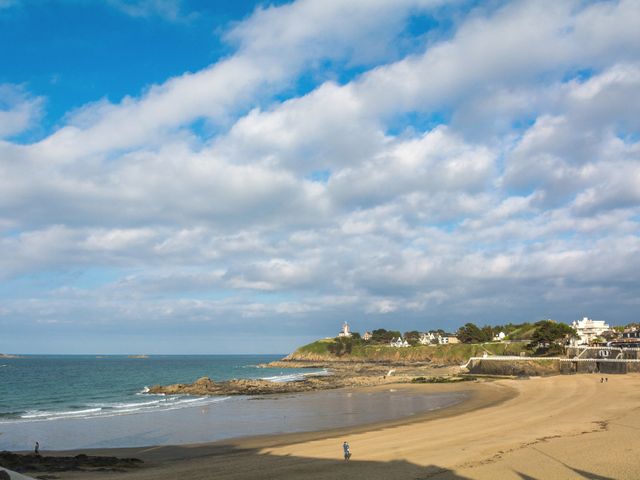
453 354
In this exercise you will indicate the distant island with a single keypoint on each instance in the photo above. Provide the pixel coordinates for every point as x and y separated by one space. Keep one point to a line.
9 355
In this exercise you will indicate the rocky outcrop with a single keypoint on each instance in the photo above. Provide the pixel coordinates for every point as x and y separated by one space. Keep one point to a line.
86 463
8 355
351 378
206 386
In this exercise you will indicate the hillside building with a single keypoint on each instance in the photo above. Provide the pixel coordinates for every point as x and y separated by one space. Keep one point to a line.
429 338
399 343
588 330
346 331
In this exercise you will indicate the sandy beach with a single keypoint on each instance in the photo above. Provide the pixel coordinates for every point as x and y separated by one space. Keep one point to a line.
560 427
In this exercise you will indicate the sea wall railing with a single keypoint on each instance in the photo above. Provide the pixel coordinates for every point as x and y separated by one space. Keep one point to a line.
513 358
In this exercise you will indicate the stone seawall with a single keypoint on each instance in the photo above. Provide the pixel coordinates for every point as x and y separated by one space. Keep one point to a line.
529 366
519 368
599 353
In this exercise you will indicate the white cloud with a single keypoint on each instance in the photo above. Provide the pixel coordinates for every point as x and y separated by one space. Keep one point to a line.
264 63
521 199
167 9
18 110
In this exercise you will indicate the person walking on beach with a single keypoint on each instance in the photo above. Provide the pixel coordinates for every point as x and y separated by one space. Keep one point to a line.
36 449
347 451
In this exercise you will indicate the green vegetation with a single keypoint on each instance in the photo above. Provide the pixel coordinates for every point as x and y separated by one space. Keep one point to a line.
341 346
544 338
470 333
382 336
412 338
549 337
358 350
523 331
319 347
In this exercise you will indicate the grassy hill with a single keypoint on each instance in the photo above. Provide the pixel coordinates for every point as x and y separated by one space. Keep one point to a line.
324 350
525 332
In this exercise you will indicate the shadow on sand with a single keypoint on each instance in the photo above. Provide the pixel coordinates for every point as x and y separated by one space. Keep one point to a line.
228 462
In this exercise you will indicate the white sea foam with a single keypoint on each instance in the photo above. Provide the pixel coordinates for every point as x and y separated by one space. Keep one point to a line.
293 377
64 414
169 402
151 403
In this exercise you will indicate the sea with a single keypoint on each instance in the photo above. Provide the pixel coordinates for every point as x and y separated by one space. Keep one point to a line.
101 401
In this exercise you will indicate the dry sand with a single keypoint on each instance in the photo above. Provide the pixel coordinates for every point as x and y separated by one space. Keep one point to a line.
561 427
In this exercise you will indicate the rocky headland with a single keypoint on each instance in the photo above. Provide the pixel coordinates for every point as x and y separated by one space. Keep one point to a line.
8 355
341 375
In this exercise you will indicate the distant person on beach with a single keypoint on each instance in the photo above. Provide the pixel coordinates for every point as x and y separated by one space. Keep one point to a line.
36 449
347 451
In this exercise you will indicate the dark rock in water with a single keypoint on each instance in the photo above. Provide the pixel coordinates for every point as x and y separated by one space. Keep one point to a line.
205 386
38 463
4 475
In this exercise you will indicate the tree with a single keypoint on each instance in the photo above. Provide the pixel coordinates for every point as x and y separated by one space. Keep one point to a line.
487 333
381 335
550 335
341 346
412 337
470 333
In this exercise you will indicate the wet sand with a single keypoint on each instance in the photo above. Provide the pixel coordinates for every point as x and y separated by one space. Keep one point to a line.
561 427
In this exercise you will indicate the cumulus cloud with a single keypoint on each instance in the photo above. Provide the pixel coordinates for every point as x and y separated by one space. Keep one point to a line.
490 175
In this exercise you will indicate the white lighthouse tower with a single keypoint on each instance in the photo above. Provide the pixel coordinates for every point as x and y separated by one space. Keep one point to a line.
346 331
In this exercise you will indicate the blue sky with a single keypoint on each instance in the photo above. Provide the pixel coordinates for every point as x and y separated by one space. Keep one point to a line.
177 173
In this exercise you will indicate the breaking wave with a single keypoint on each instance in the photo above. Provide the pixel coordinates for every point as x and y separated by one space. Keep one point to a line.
107 409
294 377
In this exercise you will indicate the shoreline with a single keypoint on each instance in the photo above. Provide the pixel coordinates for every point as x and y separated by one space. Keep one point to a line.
544 427
478 395
221 419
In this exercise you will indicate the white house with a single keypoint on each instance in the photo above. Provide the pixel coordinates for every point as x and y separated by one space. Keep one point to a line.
499 337
428 338
588 330
399 343
367 336
346 331
431 337
445 339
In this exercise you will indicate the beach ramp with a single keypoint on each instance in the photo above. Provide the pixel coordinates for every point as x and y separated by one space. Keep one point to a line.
15 476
